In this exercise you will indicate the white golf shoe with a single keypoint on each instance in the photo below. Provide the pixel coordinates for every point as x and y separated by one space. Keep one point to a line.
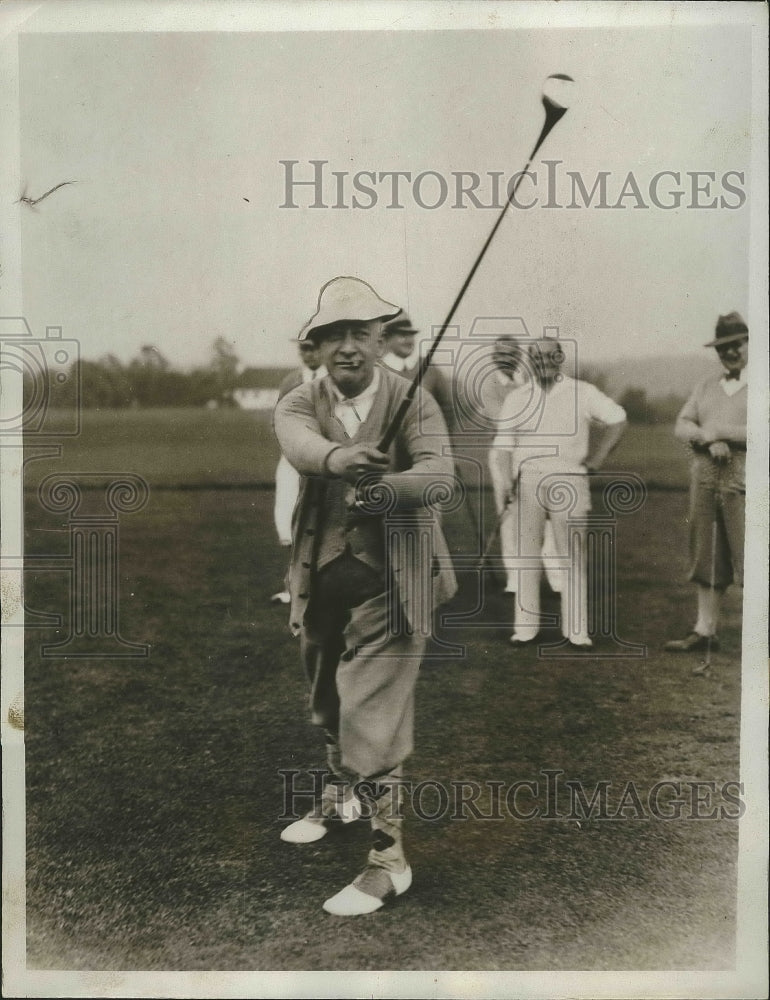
580 644
305 830
315 825
369 892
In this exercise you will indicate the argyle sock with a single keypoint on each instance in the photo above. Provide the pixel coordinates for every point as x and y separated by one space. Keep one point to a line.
709 601
384 799
338 789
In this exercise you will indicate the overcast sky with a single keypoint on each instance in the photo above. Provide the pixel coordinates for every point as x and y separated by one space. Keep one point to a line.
172 232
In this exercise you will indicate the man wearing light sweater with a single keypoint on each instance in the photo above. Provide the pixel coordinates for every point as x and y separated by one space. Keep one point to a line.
713 423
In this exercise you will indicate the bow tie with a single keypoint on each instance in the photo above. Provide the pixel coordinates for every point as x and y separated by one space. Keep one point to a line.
736 375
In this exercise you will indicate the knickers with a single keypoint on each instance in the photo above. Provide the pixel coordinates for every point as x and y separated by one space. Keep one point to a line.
362 665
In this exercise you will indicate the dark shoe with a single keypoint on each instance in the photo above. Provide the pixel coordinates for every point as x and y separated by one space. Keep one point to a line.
701 670
693 643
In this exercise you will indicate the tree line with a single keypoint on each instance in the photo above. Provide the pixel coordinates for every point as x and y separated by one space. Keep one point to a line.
639 406
149 380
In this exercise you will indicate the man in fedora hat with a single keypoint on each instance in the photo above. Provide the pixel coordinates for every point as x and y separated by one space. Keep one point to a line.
401 356
363 584
286 476
713 423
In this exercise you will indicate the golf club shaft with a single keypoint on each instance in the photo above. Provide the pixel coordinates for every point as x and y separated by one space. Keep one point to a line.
553 114
497 527
717 501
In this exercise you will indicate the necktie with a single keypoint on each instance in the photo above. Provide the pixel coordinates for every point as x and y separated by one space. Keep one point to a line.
736 375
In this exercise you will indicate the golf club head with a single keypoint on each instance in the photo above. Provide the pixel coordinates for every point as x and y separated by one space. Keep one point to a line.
557 94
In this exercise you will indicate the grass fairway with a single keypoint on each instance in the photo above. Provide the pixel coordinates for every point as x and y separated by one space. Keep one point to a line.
170 447
153 792
194 447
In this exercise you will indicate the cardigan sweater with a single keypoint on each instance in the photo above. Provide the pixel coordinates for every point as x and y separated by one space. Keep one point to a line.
391 536
709 407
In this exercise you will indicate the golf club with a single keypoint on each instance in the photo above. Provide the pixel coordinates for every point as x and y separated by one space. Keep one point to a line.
713 571
493 534
554 111
705 664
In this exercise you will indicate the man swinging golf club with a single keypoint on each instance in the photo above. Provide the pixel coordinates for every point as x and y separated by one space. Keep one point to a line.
363 586
344 579
713 423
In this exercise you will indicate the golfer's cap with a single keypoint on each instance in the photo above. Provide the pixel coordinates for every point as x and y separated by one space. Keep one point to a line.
400 324
347 298
729 329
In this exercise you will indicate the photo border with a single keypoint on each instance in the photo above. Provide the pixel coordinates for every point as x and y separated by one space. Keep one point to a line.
751 957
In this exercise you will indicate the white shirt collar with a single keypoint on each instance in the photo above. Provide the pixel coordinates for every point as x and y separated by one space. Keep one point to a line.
560 383
368 394
733 385
354 410
742 377
399 364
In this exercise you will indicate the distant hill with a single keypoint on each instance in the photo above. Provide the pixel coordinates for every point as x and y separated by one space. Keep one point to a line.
659 376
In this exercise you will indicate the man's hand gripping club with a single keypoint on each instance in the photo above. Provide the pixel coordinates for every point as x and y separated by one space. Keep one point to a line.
352 462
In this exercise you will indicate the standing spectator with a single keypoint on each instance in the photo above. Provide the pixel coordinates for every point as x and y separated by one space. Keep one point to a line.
286 477
507 357
552 440
713 423
402 356
363 593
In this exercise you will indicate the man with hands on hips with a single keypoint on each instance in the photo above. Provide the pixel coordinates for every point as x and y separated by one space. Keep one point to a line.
544 435
509 374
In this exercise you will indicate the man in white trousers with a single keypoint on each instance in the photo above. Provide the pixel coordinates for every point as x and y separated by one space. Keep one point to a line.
545 433
286 476
510 373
